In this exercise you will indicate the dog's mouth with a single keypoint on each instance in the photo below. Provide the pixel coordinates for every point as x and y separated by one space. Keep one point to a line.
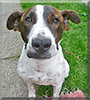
41 55
38 55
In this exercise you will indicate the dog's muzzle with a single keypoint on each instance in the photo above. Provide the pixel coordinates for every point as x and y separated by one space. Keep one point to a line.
41 48
41 45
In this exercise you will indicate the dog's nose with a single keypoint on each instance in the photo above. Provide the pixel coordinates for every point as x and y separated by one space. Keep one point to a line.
41 45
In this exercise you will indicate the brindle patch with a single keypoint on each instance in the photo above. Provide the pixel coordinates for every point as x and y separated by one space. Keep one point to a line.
56 28
60 26
26 25
17 21
63 16
13 20
32 9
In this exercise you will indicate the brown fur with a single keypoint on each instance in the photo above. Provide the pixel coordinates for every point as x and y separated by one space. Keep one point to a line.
56 28
16 21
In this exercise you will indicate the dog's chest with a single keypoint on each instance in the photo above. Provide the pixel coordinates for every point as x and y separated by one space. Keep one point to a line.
42 75
44 72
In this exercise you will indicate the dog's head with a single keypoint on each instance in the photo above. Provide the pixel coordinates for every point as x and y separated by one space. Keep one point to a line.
41 28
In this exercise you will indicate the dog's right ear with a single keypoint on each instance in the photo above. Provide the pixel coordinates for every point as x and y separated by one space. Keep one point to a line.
13 21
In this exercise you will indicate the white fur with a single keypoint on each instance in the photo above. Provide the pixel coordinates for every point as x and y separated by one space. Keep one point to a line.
51 71
41 27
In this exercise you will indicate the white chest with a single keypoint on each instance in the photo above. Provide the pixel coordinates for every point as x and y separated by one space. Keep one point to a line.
44 72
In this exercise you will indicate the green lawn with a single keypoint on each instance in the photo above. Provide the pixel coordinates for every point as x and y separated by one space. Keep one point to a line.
75 42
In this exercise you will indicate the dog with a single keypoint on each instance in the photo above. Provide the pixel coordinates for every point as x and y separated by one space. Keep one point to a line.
42 61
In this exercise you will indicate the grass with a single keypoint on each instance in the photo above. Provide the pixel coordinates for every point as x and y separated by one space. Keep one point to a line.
12 57
75 42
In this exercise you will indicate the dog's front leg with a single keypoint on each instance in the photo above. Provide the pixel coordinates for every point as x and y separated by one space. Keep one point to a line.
30 88
56 90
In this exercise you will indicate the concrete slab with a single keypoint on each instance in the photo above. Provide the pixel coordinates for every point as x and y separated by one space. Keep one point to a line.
11 7
10 39
11 85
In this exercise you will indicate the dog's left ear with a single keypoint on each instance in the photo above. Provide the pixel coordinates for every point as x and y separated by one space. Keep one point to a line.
72 15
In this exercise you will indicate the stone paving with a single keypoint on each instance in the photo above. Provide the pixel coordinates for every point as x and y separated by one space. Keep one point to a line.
10 45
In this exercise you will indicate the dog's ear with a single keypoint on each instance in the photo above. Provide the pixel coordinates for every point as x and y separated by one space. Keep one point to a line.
14 20
72 15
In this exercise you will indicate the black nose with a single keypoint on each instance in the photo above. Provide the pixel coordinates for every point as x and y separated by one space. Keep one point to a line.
41 45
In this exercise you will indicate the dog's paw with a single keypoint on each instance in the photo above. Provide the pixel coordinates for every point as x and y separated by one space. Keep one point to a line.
30 95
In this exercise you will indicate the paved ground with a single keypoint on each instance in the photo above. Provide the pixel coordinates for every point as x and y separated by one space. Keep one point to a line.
10 45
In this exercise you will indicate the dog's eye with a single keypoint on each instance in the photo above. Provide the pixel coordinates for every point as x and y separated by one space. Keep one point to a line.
28 19
56 20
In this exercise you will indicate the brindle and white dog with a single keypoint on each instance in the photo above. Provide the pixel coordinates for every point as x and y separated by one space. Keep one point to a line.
42 61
